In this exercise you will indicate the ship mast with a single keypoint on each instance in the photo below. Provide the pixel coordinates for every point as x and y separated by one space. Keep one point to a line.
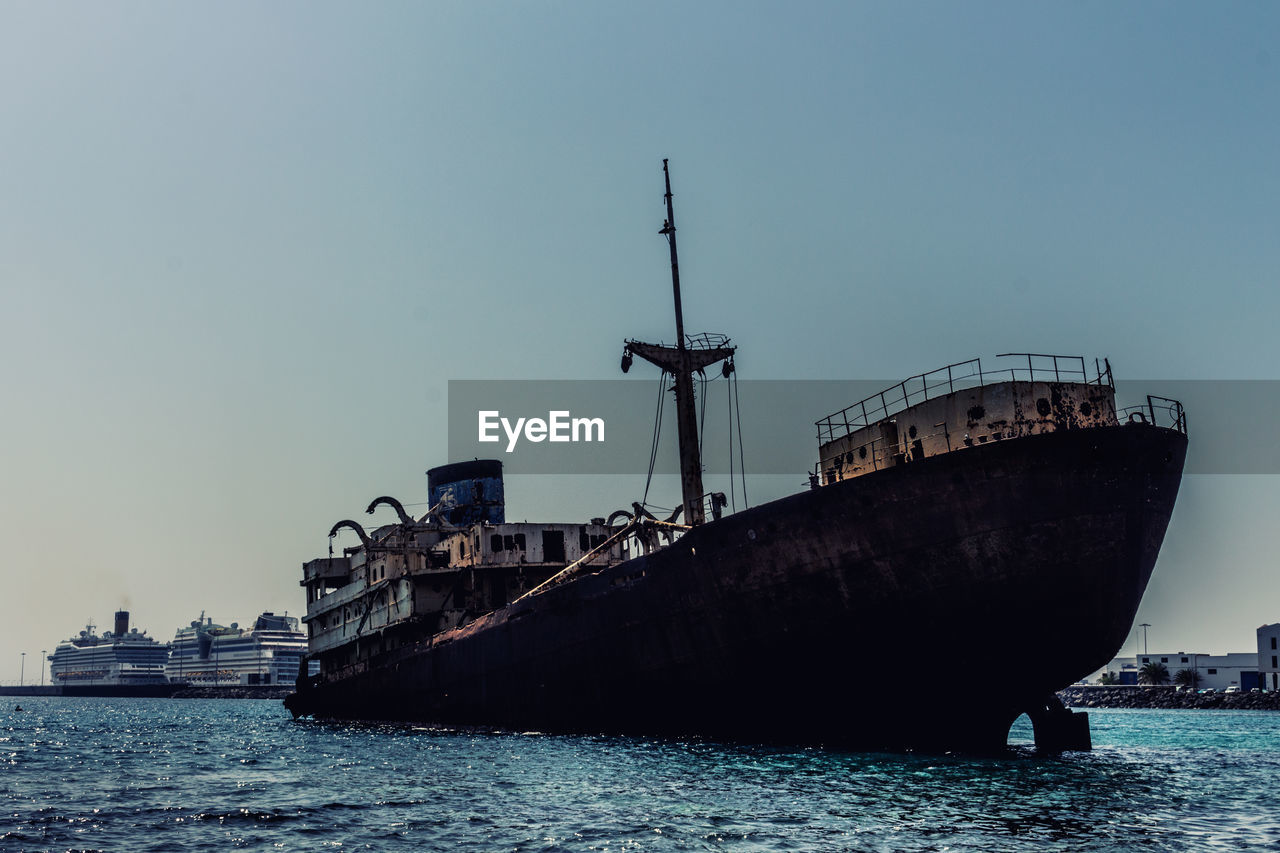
681 361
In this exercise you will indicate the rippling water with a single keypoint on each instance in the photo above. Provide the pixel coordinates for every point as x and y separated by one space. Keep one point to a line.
103 774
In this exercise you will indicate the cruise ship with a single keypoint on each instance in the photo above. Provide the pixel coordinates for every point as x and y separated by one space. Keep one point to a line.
205 654
120 661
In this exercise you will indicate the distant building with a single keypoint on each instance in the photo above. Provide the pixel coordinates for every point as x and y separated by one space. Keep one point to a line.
1236 669
1269 656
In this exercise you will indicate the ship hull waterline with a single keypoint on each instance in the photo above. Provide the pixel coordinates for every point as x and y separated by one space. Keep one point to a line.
924 606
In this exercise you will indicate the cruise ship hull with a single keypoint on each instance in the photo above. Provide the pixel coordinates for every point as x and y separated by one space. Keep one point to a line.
922 606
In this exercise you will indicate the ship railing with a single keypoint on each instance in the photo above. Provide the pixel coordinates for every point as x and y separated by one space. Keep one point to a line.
713 505
879 454
861 456
702 340
876 453
1040 367
1157 411
706 340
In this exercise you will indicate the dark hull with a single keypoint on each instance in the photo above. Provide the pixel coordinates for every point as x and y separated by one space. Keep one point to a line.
924 606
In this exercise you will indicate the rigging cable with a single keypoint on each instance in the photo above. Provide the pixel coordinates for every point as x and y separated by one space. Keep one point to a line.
702 416
733 503
742 453
657 431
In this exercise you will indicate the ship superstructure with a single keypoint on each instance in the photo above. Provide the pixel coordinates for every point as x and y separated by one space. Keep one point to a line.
205 654
123 657
967 405
460 560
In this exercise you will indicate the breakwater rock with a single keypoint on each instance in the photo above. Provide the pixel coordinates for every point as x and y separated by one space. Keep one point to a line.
1165 697
263 692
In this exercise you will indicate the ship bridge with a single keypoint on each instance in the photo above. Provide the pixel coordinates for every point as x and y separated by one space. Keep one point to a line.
968 404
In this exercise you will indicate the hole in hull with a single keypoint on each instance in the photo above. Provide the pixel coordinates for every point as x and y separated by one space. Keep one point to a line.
1021 732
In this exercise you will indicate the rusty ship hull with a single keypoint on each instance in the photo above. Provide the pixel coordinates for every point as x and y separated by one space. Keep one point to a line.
1020 562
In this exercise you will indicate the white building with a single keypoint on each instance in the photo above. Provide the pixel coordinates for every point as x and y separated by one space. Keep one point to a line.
1269 656
1236 669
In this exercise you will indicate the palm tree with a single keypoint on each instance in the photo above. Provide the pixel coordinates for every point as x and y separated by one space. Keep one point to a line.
1153 673
1187 677
1108 678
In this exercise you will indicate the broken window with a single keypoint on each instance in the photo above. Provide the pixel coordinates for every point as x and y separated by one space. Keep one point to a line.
553 546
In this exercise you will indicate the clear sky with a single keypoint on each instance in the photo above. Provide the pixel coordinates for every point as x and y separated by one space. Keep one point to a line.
244 246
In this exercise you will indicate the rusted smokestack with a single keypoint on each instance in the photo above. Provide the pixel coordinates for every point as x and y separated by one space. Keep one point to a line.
122 622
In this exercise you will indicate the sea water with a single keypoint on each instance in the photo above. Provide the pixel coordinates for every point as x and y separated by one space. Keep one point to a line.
162 774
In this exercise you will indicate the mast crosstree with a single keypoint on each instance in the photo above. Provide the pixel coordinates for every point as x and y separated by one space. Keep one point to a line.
689 355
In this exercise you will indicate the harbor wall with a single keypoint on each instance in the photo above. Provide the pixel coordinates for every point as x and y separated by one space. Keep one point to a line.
30 690
1166 697
274 691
